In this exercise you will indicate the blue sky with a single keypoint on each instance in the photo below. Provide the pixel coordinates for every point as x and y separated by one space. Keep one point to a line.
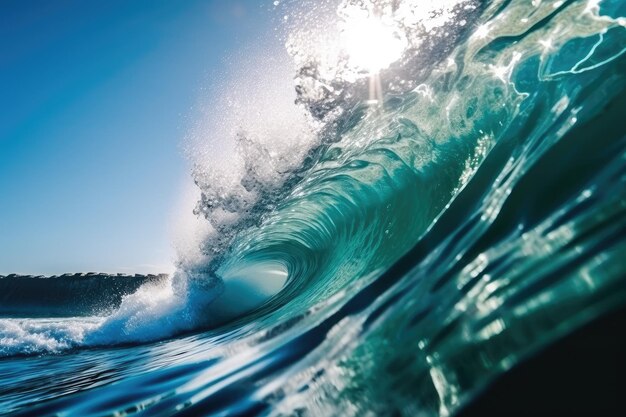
96 98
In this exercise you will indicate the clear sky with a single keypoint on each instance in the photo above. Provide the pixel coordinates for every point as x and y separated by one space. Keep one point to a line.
95 100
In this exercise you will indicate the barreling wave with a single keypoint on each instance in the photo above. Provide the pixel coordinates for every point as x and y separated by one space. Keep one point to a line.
395 240
378 172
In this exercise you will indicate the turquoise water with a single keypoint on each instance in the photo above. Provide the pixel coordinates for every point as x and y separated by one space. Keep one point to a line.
429 237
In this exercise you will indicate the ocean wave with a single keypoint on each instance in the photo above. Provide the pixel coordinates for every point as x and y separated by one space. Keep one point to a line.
432 182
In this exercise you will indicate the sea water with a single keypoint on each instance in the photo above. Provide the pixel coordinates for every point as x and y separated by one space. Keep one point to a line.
409 230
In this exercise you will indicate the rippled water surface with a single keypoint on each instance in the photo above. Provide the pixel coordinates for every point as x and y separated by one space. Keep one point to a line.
443 217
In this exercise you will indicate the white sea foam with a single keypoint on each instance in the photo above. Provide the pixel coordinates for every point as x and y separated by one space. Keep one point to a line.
29 335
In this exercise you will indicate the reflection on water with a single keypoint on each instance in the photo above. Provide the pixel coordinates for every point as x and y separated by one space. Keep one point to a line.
426 245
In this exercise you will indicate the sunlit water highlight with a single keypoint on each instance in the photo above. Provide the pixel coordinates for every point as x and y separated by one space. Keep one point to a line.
403 254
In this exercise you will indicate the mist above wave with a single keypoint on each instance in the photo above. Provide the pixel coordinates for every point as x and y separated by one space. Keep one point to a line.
250 140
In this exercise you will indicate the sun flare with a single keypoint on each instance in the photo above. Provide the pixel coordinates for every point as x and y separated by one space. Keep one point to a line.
371 44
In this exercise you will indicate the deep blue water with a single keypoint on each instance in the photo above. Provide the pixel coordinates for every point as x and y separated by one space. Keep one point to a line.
456 212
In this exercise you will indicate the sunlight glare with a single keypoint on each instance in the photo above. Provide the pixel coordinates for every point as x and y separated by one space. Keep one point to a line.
371 44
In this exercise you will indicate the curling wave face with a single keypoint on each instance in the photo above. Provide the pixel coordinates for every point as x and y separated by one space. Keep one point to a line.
442 216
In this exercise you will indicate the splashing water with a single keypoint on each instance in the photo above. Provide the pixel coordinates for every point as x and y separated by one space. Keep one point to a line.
389 257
